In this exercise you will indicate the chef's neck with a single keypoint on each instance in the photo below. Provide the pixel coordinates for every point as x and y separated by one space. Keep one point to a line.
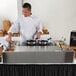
27 15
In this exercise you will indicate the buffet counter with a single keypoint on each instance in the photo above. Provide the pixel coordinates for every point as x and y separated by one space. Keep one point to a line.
38 61
38 54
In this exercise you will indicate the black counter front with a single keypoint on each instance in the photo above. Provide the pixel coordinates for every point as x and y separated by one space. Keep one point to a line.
37 70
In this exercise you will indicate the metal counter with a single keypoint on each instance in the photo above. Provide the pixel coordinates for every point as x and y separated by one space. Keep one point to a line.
38 54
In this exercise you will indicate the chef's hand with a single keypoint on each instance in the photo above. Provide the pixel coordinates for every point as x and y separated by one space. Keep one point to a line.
38 35
9 39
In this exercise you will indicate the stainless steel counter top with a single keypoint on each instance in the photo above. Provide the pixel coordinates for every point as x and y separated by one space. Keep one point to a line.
37 49
38 54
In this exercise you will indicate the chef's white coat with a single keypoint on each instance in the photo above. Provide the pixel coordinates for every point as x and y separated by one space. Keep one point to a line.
28 26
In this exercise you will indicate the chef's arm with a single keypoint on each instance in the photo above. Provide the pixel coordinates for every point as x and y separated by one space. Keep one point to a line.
39 30
14 27
12 30
9 34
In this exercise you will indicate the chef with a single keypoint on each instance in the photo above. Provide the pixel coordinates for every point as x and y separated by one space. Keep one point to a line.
28 25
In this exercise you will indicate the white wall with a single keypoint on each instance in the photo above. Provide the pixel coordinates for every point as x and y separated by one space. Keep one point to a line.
59 16
8 10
